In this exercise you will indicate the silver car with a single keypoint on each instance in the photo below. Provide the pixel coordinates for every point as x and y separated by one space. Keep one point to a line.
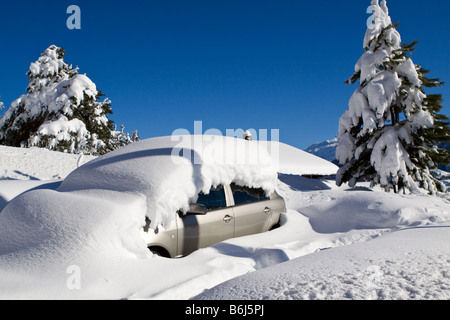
226 212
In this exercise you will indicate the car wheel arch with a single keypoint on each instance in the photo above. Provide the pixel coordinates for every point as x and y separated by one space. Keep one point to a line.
159 251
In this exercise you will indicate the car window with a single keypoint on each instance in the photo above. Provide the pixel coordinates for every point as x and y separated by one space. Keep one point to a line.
214 200
244 195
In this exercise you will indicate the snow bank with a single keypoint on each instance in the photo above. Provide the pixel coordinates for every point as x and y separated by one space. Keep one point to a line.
26 169
37 164
355 210
291 160
45 234
9 189
390 267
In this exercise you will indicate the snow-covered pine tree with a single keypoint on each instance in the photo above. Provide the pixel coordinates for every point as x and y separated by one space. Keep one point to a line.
389 133
438 137
28 112
61 110
135 136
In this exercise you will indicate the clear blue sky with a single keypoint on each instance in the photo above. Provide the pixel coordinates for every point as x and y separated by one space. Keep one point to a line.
262 64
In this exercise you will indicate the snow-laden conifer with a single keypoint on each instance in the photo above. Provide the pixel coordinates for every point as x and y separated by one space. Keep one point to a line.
122 138
62 110
389 132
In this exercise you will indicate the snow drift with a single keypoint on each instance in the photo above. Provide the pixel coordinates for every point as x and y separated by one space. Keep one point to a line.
171 171
100 207
290 160
392 267
37 164
81 240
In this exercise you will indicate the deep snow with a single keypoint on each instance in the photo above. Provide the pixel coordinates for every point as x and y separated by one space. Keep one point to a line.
406 264
333 243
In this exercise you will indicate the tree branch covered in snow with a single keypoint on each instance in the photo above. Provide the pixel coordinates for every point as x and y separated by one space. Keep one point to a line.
389 133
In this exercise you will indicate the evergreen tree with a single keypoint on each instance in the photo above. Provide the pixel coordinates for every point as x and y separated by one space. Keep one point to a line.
122 138
62 110
389 133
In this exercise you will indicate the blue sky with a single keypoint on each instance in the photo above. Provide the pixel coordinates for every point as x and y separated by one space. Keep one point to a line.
262 64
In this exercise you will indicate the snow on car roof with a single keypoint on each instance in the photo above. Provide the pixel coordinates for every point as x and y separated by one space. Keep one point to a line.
171 171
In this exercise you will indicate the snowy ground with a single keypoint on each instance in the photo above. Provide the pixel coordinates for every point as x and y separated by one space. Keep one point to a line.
24 169
334 243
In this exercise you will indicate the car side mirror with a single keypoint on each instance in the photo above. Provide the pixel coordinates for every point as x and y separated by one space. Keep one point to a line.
197 208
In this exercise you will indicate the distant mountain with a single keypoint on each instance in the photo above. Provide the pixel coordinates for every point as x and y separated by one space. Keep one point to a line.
325 150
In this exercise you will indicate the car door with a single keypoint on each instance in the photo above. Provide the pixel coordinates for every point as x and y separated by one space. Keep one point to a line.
252 210
202 230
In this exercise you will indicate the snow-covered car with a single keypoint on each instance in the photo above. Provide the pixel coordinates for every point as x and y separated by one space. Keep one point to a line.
227 211
185 192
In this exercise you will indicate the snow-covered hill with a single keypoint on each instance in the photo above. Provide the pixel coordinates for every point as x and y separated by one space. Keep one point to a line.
333 243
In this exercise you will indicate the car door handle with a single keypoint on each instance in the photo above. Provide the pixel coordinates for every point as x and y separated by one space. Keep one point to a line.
267 210
227 218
